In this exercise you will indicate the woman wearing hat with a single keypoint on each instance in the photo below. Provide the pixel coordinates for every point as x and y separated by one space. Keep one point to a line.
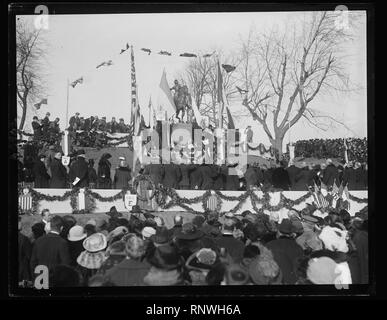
104 180
200 263
75 239
91 259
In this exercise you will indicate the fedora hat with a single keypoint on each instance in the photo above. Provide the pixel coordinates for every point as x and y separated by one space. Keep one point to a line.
76 233
165 257
91 260
189 232
136 209
95 242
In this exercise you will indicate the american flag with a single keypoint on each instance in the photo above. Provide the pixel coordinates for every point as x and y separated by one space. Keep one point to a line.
211 203
25 202
319 198
135 108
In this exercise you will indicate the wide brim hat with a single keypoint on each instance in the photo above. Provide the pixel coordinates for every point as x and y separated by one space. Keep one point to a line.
91 260
166 257
95 242
189 232
76 233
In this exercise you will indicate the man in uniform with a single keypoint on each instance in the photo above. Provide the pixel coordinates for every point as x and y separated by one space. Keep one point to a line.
79 171
122 175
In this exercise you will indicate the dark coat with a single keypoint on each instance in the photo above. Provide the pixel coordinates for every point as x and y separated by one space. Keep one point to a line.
251 177
185 171
232 180
196 178
25 250
50 250
233 246
172 176
75 249
293 171
92 175
156 172
128 273
281 179
58 174
40 174
79 168
331 174
360 239
286 253
268 177
303 179
122 178
104 180
209 173
37 127
360 179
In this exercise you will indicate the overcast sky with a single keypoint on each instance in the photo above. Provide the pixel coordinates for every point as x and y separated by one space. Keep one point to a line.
78 43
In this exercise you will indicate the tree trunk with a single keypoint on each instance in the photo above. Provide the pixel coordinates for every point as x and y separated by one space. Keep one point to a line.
23 119
277 145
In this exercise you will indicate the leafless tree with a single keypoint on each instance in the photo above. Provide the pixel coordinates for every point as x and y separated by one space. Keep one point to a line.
30 53
201 77
285 69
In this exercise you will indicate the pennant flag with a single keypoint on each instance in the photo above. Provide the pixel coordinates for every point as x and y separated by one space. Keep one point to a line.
135 107
207 55
228 68
231 124
74 83
185 54
105 63
165 53
123 50
37 105
147 50
169 106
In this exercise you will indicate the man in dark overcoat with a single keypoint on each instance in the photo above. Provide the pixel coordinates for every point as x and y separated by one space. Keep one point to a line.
40 173
79 171
58 172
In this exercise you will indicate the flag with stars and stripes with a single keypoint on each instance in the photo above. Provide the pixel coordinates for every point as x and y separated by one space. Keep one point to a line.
135 107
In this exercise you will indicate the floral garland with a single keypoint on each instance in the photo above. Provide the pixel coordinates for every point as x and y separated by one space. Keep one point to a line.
162 193
147 178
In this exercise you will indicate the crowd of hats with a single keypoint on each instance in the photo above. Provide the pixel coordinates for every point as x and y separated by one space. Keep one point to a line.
332 148
189 252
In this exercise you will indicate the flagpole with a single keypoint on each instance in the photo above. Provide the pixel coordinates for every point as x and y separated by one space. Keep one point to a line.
67 104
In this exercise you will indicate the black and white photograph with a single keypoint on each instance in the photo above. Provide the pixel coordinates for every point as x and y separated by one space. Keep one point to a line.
191 149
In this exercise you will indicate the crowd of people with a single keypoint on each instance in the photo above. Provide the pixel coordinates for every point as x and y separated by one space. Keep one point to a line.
46 130
306 247
48 172
332 148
